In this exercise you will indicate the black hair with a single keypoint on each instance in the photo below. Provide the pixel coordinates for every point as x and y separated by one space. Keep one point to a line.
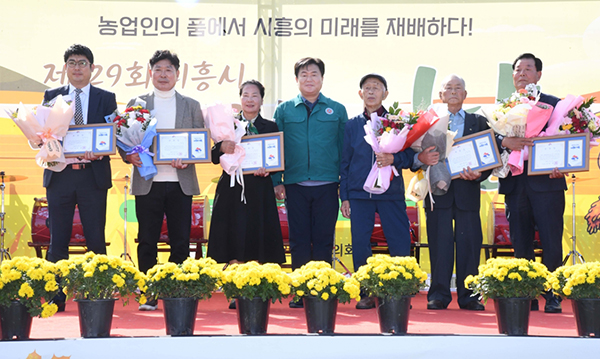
538 62
304 62
78 49
260 86
165 55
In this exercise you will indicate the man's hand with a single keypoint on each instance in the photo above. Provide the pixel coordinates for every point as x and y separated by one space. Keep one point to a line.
178 164
345 209
227 147
556 173
90 156
279 191
134 159
384 159
261 172
469 175
429 157
516 143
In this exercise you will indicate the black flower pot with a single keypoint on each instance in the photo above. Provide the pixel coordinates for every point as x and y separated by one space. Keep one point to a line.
15 321
320 314
587 316
95 317
253 315
180 315
512 315
393 314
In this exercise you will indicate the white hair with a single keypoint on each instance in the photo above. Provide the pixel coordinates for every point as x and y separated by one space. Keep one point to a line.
453 76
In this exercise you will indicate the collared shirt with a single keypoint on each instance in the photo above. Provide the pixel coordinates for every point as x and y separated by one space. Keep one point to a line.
457 123
380 112
84 96
310 105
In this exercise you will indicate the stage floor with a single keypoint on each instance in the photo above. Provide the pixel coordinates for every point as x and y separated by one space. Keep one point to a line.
214 318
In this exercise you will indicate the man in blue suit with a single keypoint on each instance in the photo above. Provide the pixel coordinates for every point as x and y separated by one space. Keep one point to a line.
534 200
86 180
459 205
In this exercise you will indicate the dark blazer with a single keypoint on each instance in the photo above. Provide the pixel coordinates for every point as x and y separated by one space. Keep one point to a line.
262 125
101 103
541 183
466 194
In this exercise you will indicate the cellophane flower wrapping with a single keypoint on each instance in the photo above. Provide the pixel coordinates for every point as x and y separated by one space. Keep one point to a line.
573 115
47 125
135 131
224 126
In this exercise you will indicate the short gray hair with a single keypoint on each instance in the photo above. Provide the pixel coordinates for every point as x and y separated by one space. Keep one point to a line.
453 76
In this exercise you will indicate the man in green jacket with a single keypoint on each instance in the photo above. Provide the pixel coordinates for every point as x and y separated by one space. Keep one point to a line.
313 130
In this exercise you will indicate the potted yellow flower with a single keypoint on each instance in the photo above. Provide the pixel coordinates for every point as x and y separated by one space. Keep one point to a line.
95 281
180 286
393 281
581 284
512 283
26 287
255 286
321 288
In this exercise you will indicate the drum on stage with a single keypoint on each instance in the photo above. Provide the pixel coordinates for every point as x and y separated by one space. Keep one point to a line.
40 231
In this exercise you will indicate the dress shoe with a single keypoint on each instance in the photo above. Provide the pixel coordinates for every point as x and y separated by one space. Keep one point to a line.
60 301
150 305
298 304
552 305
473 305
232 304
436 305
366 303
535 305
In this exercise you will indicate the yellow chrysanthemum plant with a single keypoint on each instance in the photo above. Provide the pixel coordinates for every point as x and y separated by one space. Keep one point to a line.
31 281
250 280
194 278
509 278
98 276
393 277
318 279
579 281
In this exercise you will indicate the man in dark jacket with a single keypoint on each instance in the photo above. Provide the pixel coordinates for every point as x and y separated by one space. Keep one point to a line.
357 160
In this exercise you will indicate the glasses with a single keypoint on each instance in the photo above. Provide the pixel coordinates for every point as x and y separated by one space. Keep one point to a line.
73 64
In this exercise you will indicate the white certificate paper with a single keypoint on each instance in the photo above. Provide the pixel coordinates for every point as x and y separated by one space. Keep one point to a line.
198 145
77 141
484 147
174 145
549 155
575 154
463 155
271 153
103 139
254 154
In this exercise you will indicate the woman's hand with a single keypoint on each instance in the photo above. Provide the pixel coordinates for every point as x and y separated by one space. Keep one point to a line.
227 147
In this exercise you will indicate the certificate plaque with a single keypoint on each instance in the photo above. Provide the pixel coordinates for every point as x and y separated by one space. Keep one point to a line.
96 138
191 145
265 150
477 151
568 153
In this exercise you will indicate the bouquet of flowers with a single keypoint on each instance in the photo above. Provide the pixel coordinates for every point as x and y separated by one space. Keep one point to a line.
136 128
250 280
573 115
579 281
46 125
392 134
31 281
318 279
385 276
509 278
224 126
518 116
97 276
194 278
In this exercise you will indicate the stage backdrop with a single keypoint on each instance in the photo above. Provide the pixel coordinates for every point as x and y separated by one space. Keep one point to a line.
414 44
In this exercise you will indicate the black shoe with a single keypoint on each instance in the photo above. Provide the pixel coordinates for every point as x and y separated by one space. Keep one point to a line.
473 305
366 303
552 305
150 305
60 301
232 304
436 305
535 305
298 304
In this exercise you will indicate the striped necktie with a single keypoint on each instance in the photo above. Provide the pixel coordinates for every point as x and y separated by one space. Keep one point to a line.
78 111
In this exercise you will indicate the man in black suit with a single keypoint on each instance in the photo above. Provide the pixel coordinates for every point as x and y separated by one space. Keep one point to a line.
534 200
86 180
461 205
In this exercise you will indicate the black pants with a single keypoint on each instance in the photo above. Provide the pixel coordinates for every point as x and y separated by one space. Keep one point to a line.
164 198
67 189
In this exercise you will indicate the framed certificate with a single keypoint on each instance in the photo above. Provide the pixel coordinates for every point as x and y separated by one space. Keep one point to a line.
192 145
97 138
264 150
477 151
568 153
